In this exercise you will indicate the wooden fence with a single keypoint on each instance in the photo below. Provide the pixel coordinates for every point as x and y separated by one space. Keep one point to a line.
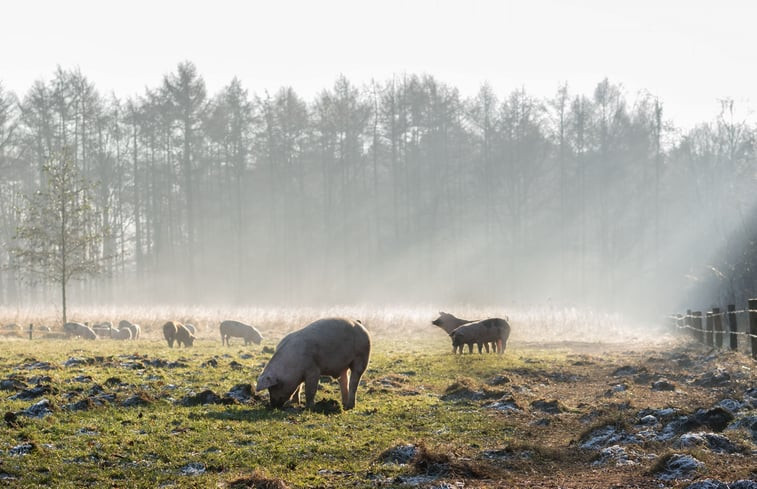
720 329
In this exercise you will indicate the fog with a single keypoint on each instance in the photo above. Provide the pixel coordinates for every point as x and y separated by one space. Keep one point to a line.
399 192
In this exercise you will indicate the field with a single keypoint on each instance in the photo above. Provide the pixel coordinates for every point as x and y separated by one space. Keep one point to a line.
578 400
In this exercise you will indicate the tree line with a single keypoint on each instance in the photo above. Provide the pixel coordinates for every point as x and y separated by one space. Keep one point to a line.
397 190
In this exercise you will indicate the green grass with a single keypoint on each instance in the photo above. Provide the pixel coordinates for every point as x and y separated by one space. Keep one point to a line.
147 446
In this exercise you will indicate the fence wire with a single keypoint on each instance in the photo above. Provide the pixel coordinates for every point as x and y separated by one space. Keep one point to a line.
682 325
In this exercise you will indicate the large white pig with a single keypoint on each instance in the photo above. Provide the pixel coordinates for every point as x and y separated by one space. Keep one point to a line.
331 347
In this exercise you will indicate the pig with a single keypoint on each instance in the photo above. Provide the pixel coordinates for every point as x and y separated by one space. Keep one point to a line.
236 329
175 331
449 323
134 328
329 346
103 330
120 334
80 330
183 336
495 330
169 332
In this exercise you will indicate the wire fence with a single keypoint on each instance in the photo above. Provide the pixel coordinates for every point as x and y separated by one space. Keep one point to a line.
711 329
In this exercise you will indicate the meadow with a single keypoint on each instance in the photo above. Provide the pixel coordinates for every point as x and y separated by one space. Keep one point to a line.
570 388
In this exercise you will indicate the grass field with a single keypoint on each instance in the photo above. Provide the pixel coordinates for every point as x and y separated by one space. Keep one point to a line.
138 414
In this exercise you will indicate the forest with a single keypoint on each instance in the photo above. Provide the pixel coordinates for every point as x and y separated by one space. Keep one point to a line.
400 190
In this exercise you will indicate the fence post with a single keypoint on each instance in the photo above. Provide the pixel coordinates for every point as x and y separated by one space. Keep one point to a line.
31 327
752 304
696 323
687 322
708 329
733 325
717 327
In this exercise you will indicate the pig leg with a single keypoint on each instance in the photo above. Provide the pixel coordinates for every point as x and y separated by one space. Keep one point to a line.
311 386
470 348
486 346
343 381
296 396
357 368
500 347
480 348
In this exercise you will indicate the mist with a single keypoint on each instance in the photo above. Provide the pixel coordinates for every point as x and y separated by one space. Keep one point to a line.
400 192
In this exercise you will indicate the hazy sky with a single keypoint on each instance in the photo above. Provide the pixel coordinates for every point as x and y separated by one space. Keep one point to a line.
689 53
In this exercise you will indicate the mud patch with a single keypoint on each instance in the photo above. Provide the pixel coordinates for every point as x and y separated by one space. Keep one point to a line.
255 481
677 466
327 406
241 393
139 399
400 454
466 390
205 397
713 441
606 436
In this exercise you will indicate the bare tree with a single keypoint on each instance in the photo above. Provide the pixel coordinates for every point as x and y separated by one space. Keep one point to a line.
59 238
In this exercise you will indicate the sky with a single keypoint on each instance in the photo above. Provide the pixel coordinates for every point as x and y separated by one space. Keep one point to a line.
690 54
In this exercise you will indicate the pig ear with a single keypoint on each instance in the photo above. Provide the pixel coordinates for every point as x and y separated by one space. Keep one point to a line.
265 381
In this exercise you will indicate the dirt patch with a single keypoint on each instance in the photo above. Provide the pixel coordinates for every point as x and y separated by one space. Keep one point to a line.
465 389
255 481
327 406
439 463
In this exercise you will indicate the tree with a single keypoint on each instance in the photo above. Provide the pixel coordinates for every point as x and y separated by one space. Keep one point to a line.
60 237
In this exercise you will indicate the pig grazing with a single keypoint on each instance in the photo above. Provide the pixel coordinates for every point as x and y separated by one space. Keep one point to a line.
175 331
481 332
169 332
325 347
183 336
134 328
236 329
120 334
80 330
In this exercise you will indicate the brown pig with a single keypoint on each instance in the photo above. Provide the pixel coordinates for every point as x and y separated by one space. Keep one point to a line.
330 346
481 332
449 323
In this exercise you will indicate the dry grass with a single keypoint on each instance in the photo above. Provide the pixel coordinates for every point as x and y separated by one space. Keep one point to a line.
570 328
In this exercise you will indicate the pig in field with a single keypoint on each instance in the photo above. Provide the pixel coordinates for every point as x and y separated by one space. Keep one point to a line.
236 329
449 323
481 332
120 334
331 347
134 328
175 331
81 330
